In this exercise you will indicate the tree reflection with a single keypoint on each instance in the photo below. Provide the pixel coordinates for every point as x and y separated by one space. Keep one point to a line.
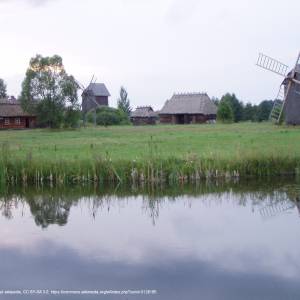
6 208
8 205
52 205
50 210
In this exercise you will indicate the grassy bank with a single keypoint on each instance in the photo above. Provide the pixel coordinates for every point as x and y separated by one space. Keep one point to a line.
149 154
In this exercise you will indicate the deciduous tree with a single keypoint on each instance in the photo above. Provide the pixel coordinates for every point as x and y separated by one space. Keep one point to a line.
225 113
49 92
264 109
236 105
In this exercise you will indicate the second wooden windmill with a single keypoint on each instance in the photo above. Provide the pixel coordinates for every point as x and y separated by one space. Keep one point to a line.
287 102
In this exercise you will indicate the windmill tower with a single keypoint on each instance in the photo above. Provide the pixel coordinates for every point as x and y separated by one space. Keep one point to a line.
88 95
287 101
94 96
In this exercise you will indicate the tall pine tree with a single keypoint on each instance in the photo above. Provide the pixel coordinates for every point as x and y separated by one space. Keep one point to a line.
3 93
124 102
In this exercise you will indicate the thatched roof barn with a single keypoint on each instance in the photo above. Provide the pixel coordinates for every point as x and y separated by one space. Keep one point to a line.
143 115
188 108
12 116
94 96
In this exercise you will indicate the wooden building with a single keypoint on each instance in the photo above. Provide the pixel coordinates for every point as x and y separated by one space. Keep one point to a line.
12 116
292 97
191 108
95 95
143 115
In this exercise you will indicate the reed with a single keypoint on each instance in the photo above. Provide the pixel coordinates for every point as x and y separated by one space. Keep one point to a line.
153 170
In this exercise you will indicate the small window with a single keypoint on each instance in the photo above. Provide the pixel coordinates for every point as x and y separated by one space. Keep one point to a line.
6 121
17 121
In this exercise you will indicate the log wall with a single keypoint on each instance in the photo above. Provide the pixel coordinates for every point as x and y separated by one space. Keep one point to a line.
143 121
186 119
17 122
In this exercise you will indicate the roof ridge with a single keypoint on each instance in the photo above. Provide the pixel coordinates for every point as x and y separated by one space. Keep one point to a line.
146 106
190 94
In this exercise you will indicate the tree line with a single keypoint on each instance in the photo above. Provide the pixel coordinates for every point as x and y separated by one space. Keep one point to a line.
231 109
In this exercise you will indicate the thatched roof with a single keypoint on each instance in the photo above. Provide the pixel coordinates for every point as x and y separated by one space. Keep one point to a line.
197 103
143 112
12 108
98 89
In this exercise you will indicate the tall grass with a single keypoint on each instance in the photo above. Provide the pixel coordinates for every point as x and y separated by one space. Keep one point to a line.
156 154
152 169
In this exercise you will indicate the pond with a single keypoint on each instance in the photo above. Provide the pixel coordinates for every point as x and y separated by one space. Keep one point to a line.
214 240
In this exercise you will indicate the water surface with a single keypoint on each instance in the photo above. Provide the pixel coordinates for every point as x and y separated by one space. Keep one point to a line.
212 241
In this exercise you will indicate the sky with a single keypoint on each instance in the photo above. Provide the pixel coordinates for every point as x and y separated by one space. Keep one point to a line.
154 47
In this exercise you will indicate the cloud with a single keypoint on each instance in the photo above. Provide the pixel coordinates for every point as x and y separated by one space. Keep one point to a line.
31 2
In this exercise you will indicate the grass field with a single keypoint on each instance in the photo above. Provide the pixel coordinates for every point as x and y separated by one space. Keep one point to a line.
245 148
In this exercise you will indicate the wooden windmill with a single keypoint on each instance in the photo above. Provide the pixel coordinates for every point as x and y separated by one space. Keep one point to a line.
288 97
88 94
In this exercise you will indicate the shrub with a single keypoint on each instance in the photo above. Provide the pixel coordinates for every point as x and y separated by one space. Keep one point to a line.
49 114
72 117
107 116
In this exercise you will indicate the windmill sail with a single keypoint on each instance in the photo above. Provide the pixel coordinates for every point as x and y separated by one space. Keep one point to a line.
278 104
271 64
275 209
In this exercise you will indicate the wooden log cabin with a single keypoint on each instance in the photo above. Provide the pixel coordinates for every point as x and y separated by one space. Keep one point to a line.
191 108
143 115
12 116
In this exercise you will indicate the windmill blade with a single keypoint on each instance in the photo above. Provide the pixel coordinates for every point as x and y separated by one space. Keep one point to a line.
91 80
81 86
296 65
271 64
275 209
277 107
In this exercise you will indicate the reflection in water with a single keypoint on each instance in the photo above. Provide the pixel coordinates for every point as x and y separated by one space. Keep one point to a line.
49 210
213 241
52 206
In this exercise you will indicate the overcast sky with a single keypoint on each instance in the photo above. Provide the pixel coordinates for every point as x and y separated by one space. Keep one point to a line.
154 47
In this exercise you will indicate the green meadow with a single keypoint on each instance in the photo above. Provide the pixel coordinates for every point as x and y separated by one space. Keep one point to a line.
151 153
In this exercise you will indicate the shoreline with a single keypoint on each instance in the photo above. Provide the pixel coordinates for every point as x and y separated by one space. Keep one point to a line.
152 171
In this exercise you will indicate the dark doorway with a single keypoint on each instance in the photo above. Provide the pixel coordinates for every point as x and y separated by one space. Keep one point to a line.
27 124
180 119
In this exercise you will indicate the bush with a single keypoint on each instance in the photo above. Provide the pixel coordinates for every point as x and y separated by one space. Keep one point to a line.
107 116
225 113
72 117
49 114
